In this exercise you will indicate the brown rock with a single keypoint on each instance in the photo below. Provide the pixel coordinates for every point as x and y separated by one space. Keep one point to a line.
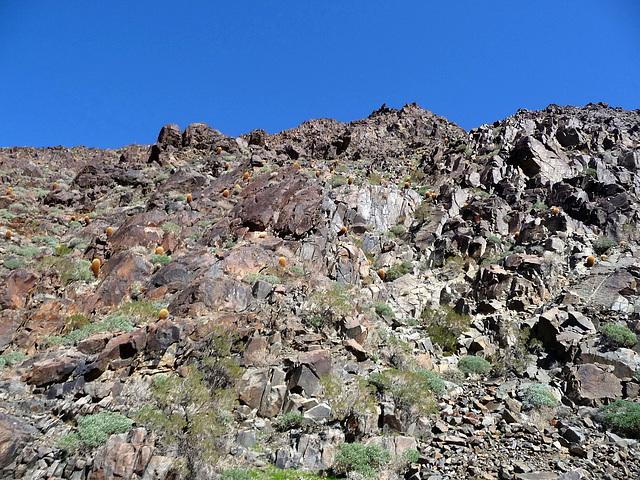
54 370
591 385
14 435
17 288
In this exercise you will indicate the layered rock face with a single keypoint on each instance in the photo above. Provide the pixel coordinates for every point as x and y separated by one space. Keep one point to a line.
466 301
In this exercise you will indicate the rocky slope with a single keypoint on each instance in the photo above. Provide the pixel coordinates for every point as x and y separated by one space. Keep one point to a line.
324 286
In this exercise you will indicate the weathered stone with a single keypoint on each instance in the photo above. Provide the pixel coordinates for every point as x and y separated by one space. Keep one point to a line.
591 385
14 435
54 370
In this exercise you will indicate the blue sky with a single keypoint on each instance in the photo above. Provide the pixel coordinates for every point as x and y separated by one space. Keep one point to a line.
107 74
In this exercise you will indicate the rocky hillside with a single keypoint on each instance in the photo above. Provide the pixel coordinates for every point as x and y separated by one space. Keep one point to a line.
391 297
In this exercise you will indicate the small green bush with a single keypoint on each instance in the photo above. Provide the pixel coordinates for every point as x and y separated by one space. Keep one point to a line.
171 227
94 430
63 250
538 395
363 459
540 206
408 387
114 321
27 252
290 421
470 364
229 244
383 309
398 270
70 442
602 244
236 474
163 260
296 270
397 230
338 180
13 358
444 326
435 383
254 277
618 335
14 263
622 416
412 455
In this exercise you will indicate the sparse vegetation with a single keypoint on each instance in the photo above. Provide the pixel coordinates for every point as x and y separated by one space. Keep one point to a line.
472 365
366 460
618 335
94 430
398 270
163 260
445 326
622 416
538 395
12 358
290 421
383 309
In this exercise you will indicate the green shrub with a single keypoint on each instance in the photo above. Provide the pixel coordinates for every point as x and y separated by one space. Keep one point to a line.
236 474
63 250
363 459
398 270
14 263
337 180
68 270
27 252
444 326
254 277
470 364
375 179
290 421
12 358
435 383
163 260
316 321
296 270
70 442
78 244
94 430
409 387
618 335
180 198
602 244
397 230
75 322
383 309
229 244
622 416
412 455
171 227
538 395
540 206
48 241
112 322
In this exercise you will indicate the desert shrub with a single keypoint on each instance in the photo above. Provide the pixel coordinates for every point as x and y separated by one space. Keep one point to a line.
408 387
317 321
383 309
70 442
591 171
161 259
331 303
290 421
539 206
14 263
411 455
171 227
254 277
48 241
94 430
374 179
12 358
338 180
470 365
349 400
27 251
236 474
398 270
397 230
622 416
444 326
422 213
296 270
188 414
68 269
77 243
75 322
602 244
434 383
363 459
618 335
538 395
141 311
112 322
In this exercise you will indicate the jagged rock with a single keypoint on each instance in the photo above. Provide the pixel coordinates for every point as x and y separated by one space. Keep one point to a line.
17 288
14 435
589 384
53 370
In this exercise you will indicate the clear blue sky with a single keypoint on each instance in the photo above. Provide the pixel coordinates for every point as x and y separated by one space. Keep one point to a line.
107 74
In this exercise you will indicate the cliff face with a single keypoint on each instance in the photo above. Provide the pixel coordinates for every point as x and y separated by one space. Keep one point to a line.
332 284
